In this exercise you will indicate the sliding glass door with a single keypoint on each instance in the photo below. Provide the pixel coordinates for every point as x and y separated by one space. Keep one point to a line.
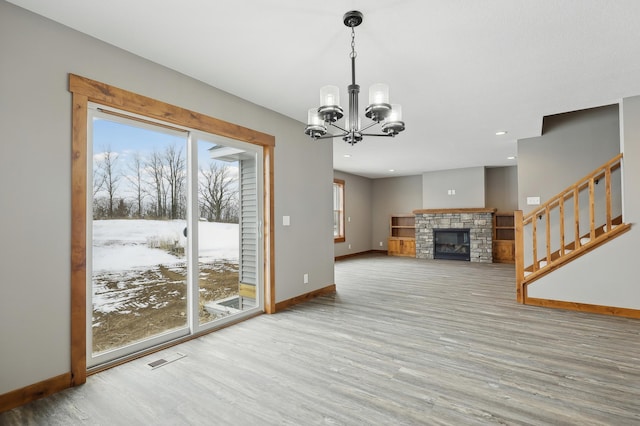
227 246
173 233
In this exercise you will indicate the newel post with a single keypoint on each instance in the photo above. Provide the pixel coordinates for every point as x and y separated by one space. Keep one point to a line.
519 247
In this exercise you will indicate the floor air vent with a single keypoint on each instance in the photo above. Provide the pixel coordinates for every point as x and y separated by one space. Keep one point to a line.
164 361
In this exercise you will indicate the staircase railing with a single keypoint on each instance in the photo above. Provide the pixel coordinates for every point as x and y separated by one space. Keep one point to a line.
568 225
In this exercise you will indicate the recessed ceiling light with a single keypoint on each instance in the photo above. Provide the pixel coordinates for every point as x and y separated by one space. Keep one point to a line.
501 132
392 170
511 158
347 156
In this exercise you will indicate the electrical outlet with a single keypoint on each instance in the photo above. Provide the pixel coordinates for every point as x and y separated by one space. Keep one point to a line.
380 243
349 246
305 279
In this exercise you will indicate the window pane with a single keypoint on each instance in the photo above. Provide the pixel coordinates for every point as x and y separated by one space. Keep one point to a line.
227 237
138 247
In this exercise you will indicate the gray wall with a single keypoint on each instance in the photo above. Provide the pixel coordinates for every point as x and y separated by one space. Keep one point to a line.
468 184
392 196
35 181
358 193
572 145
608 275
405 194
502 188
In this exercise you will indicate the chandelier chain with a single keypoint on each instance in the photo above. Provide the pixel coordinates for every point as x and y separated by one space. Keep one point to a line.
353 43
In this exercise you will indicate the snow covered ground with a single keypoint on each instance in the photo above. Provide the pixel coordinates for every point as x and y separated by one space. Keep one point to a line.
126 265
123 244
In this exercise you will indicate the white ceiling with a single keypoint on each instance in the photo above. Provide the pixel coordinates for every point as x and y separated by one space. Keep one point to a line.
461 69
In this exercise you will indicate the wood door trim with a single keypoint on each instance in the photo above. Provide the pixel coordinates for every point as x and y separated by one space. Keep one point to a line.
79 241
132 102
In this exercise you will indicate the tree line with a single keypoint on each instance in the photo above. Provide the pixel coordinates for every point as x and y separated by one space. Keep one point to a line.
154 187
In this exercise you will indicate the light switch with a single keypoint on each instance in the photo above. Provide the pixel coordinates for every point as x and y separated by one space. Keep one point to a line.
286 220
533 201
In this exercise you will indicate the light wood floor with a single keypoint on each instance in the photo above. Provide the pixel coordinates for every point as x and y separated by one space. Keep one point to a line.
404 341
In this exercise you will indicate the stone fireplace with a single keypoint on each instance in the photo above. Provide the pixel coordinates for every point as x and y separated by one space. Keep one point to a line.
479 223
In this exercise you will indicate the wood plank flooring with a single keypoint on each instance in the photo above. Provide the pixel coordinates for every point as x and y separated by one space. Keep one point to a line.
403 342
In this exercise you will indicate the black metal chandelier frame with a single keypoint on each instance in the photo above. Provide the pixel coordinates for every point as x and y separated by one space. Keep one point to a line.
379 110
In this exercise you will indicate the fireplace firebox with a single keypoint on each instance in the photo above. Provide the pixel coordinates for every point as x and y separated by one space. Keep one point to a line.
453 244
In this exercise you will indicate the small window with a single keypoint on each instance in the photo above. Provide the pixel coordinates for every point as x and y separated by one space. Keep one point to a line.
338 211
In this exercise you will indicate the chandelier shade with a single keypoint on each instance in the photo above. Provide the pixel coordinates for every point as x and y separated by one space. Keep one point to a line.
315 124
379 111
378 94
330 96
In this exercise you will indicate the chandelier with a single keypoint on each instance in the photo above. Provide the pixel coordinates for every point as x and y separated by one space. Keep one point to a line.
379 111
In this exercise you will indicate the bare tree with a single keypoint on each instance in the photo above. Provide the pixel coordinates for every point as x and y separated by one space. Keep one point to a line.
121 208
100 210
232 211
136 179
175 177
158 190
98 203
98 179
216 190
109 177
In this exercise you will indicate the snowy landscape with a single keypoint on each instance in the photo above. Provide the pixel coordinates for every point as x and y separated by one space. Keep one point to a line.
139 276
140 179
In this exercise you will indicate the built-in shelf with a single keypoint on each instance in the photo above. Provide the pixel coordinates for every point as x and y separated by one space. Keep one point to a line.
402 235
504 237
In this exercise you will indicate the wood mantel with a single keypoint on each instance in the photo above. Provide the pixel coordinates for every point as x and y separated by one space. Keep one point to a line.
453 211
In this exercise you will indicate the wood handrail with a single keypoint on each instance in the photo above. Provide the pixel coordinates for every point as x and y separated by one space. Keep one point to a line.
597 174
586 236
569 191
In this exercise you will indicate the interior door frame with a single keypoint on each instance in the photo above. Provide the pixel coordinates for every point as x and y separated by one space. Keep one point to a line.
85 90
